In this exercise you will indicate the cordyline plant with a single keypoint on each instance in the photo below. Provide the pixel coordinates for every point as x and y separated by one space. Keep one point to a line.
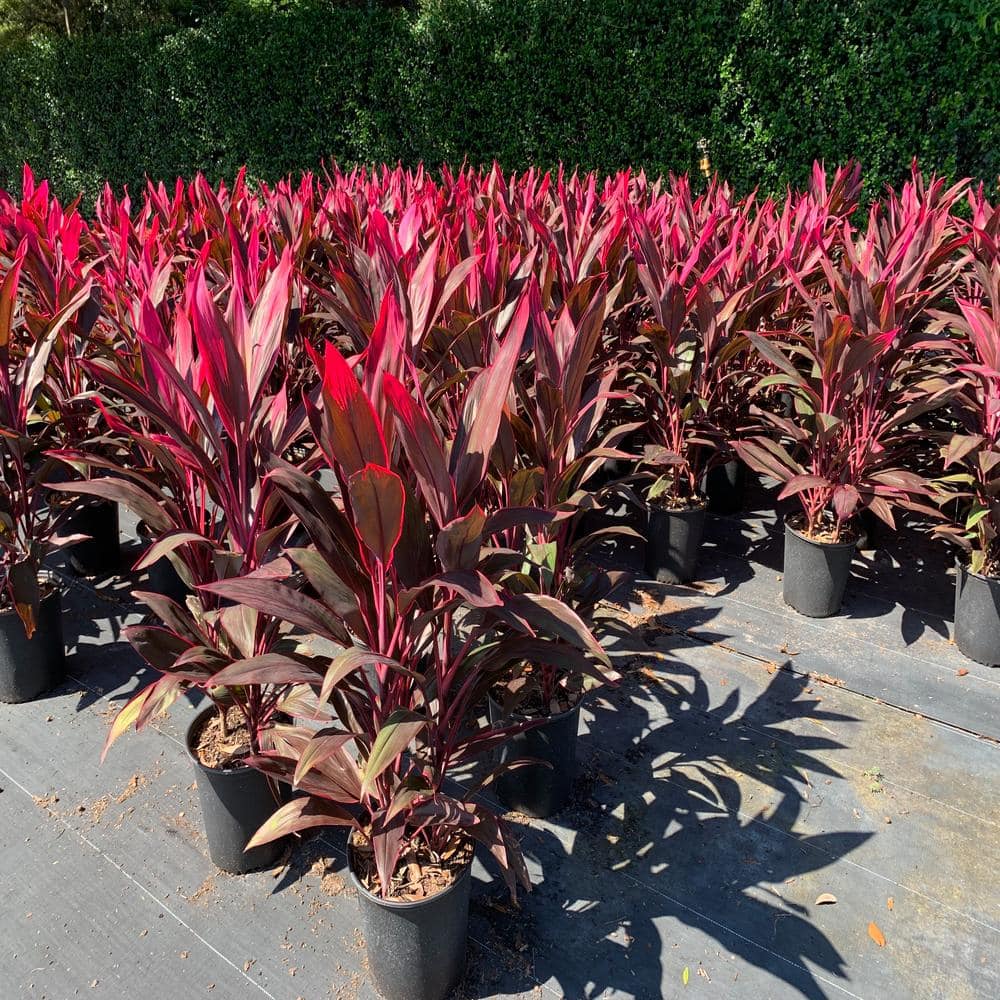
400 573
685 361
858 383
972 495
55 266
196 404
561 441
28 524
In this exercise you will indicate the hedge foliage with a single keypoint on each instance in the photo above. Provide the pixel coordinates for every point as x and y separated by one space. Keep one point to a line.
603 83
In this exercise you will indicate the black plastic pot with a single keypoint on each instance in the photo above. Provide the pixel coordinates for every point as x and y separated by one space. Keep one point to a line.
816 573
101 553
163 578
977 616
539 790
623 550
872 531
724 486
29 667
234 805
416 951
672 542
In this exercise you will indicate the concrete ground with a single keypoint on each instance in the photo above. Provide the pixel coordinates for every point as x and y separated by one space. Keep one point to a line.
751 763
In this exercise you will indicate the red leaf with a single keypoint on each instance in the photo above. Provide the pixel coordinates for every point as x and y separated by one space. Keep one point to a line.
484 406
221 363
377 501
352 428
422 445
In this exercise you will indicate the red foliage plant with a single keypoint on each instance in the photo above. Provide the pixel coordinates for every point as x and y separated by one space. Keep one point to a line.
402 575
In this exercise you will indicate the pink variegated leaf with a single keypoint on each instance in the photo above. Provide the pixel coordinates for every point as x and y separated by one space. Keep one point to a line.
220 360
352 429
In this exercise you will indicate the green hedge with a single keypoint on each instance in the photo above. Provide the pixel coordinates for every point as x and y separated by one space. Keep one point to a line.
602 83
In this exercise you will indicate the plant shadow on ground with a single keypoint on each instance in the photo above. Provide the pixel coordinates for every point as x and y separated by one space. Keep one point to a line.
666 840
95 610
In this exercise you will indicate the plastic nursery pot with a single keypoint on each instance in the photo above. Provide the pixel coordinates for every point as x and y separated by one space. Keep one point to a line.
724 487
102 551
30 667
871 531
235 802
416 950
163 578
538 790
816 573
977 616
623 550
672 542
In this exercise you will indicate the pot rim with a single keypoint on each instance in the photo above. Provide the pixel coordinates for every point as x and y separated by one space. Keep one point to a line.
519 717
400 904
655 508
812 541
963 567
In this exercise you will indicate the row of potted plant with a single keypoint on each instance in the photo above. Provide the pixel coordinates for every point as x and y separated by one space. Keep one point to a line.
372 428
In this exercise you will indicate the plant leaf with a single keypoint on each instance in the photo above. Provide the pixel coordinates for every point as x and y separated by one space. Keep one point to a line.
300 814
377 501
268 668
392 739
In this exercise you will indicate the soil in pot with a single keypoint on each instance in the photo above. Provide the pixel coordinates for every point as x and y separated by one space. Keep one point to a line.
538 789
977 616
673 539
235 799
724 486
417 938
101 553
817 568
30 667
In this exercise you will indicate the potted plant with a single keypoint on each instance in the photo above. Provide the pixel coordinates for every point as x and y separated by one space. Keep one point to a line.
55 265
562 432
206 411
31 637
857 385
971 495
398 574
674 371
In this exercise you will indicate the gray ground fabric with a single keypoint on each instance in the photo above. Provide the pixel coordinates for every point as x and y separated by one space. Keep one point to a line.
751 762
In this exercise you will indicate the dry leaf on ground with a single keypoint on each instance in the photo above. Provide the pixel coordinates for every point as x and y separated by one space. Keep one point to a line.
875 933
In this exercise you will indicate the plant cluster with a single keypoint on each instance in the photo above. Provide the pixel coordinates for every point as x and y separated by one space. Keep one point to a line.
364 415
